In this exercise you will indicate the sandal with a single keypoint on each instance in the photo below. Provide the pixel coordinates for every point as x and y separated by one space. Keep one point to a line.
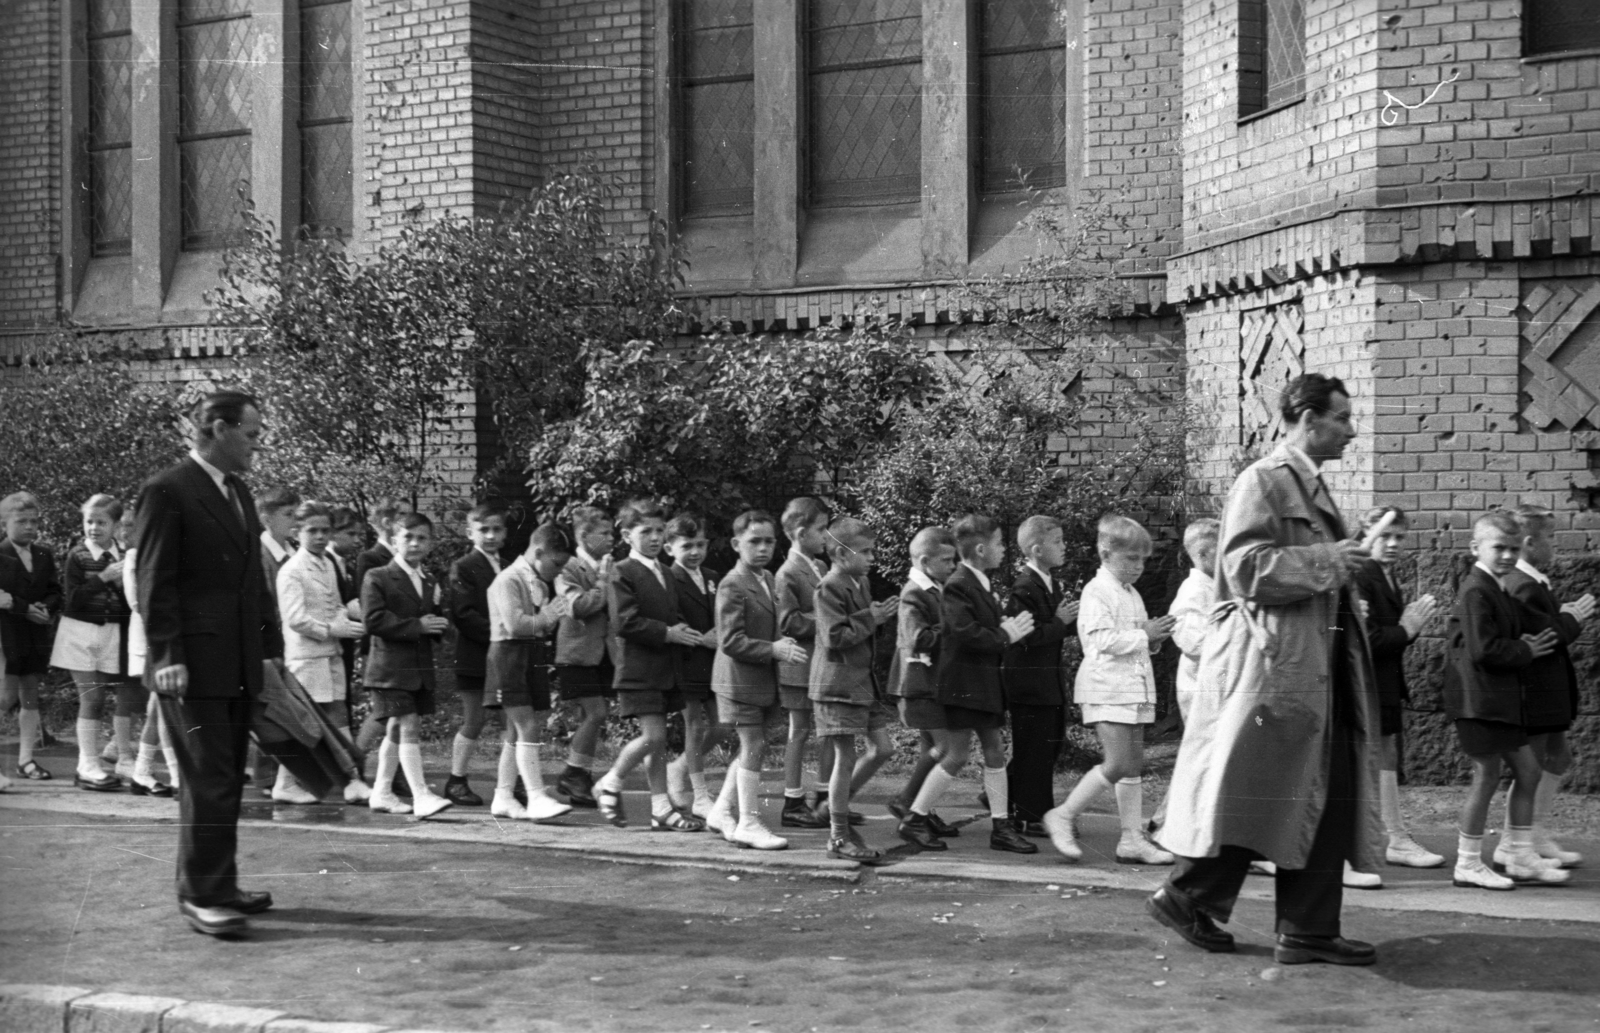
676 821
33 772
609 804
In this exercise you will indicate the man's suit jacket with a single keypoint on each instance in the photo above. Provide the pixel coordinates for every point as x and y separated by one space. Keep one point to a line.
20 636
1387 638
470 578
797 581
642 609
916 646
969 661
402 651
1031 668
842 668
698 610
202 594
745 669
1486 659
1551 696
584 638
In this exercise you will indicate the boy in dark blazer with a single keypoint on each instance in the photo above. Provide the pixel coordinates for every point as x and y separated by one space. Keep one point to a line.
1491 648
648 627
403 609
470 578
697 603
975 637
381 518
1552 699
1031 671
30 590
912 677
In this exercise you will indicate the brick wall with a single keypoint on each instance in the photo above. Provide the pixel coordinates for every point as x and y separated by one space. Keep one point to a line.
506 108
30 163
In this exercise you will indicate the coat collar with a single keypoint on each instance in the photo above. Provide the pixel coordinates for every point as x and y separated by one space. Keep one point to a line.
1312 486
759 582
215 502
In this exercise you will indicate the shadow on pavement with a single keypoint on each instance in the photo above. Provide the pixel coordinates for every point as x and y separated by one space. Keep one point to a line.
1484 961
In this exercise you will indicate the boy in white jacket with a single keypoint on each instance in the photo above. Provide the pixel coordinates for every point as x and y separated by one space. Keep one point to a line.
1192 605
1116 689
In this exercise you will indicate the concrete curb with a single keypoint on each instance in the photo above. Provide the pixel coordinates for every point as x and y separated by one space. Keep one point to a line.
36 1008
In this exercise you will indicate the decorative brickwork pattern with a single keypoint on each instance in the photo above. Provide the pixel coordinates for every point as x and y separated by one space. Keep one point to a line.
1561 355
1272 352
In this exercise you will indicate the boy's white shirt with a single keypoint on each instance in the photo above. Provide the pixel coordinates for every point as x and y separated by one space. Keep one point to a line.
279 553
922 581
653 564
1533 572
1497 579
411 572
1044 575
95 551
1116 666
1192 606
983 579
698 578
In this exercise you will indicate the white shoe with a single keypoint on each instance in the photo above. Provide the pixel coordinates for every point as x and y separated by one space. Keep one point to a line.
387 803
1139 850
1263 868
1551 850
5 783
720 819
1505 857
1529 867
293 793
357 791
1062 835
426 805
1480 876
1361 880
505 805
754 834
1406 852
542 807
124 770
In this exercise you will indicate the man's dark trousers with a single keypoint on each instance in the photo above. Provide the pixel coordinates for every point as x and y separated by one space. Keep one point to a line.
210 737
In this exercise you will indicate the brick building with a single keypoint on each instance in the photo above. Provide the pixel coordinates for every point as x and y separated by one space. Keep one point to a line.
1402 192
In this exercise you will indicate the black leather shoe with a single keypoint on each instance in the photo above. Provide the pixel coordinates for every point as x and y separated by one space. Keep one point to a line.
213 921
916 831
247 903
108 784
941 828
898 809
1191 923
1006 837
1033 829
457 791
1335 950
138 788
796 815
574 788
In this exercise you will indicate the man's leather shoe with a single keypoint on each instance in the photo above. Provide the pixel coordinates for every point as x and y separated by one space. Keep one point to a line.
797 815
576 790
247 903
941 828
1335 950
915 830
1191 923
1033 829
213 921
138 788
458 792
1006 837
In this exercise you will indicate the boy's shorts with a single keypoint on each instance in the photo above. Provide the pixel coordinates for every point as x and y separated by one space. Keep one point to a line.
1119 713
964 719
794 697
469 682
642 702
699 691
1481 738
85 646
924 715
739 714
387 703
833 717
579 681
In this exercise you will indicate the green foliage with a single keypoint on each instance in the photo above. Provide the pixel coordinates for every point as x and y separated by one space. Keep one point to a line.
79 421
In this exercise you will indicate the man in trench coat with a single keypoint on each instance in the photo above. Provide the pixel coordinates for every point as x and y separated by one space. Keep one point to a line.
1279 760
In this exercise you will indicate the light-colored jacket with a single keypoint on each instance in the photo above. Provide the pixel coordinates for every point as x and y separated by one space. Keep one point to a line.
745 669
308 602
1192 606
584 638
1116 665
130 589
1253 767
517 598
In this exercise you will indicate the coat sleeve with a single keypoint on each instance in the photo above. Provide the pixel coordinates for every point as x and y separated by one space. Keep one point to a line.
1191 609
52 597
1098 627
158 537
1258 569
626 618
1481 638
80 594
732 636
292 599
839 627
794 621
1537 616
918 630
1048 629
10 575
523 615
961 626
466 587
382 622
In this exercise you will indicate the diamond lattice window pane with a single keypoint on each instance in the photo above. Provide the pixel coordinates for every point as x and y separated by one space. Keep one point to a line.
718 100
205 10
1286 51
110 91
1023 100
214 77
1014 24
212 173
109 16
866 101
111 200
719 37
325 82
325 198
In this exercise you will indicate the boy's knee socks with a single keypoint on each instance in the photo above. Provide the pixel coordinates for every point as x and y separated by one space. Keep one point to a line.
528 767
933 790
88 745
998 789
1469 850
388 762
410 755
749 783
1130 805
505 780
1086 792
122 736
28 726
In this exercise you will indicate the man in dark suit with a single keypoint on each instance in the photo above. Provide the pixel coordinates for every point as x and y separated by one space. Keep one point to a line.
209 624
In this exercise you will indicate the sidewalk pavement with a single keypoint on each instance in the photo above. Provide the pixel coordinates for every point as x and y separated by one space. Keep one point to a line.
969 857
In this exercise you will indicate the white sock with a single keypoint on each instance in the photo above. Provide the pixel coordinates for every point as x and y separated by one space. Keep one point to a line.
998 790
388 761
660 805
505 780
697 782
933 790
749 783
89 748
1469 850
579 760
528 767
122 736
1086 792
410 754
794 794
1389 804
1130 806
144 764
1520 839
1544 802
28 726
609 782
728 795
460 750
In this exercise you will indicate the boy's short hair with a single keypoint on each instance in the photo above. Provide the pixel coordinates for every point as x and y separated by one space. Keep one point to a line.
551 540
1534 519
973 530
589 518
274 499
685 525
801 513
1498 521
846 533
343 518
484 511
1370 518
1118 533
406 521
110 505
17 502
382 513
1036 529
1200 532
749 518
312 508
637 511
930 540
